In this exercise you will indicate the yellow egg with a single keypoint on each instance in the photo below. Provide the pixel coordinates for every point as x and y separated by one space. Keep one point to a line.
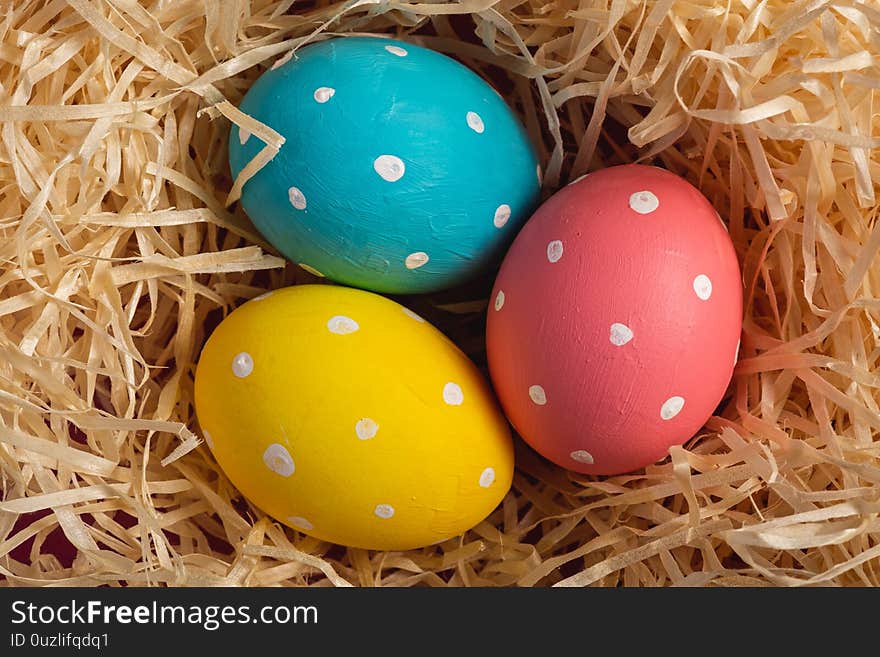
348 417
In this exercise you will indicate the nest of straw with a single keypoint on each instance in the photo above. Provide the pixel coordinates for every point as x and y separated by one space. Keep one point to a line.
121 246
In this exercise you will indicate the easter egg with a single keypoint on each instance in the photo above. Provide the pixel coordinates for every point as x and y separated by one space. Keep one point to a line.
614 324
348 417
402 170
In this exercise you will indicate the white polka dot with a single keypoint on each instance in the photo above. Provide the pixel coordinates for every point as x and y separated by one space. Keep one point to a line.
323 94
582 456
389 167
578 179
703 287
283 60
452 394
416 260
671 407
644 202
243 135
365 428
499 300
242 364
487 478
310 269
411 314
397 50
502 214
300 523
278 460
554 251
475 122
297 198
620 334
384 511
538 395
342 325
208 438
264 295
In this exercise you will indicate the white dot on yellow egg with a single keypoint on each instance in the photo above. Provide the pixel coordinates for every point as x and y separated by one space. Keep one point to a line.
703 287
411 314
537 395
323 94
620 334
278 460
475 122
416 260
366 428
297 198
582 456
502 214
554 250
487 477
384 511
300 523
397 50
644 202
671 407
389 167
452 394
342 325
242 364
499 300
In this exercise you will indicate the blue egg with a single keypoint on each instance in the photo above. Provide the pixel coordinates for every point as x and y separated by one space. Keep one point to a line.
402 171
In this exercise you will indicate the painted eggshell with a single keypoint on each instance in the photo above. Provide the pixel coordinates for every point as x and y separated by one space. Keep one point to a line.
614 324
347 416
402 170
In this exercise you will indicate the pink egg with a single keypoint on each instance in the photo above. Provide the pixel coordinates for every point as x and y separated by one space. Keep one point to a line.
614 325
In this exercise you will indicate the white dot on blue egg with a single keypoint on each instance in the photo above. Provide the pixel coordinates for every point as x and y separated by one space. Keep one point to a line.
416 260
297 198
389 167
502 214
475 122
323 94
397 50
